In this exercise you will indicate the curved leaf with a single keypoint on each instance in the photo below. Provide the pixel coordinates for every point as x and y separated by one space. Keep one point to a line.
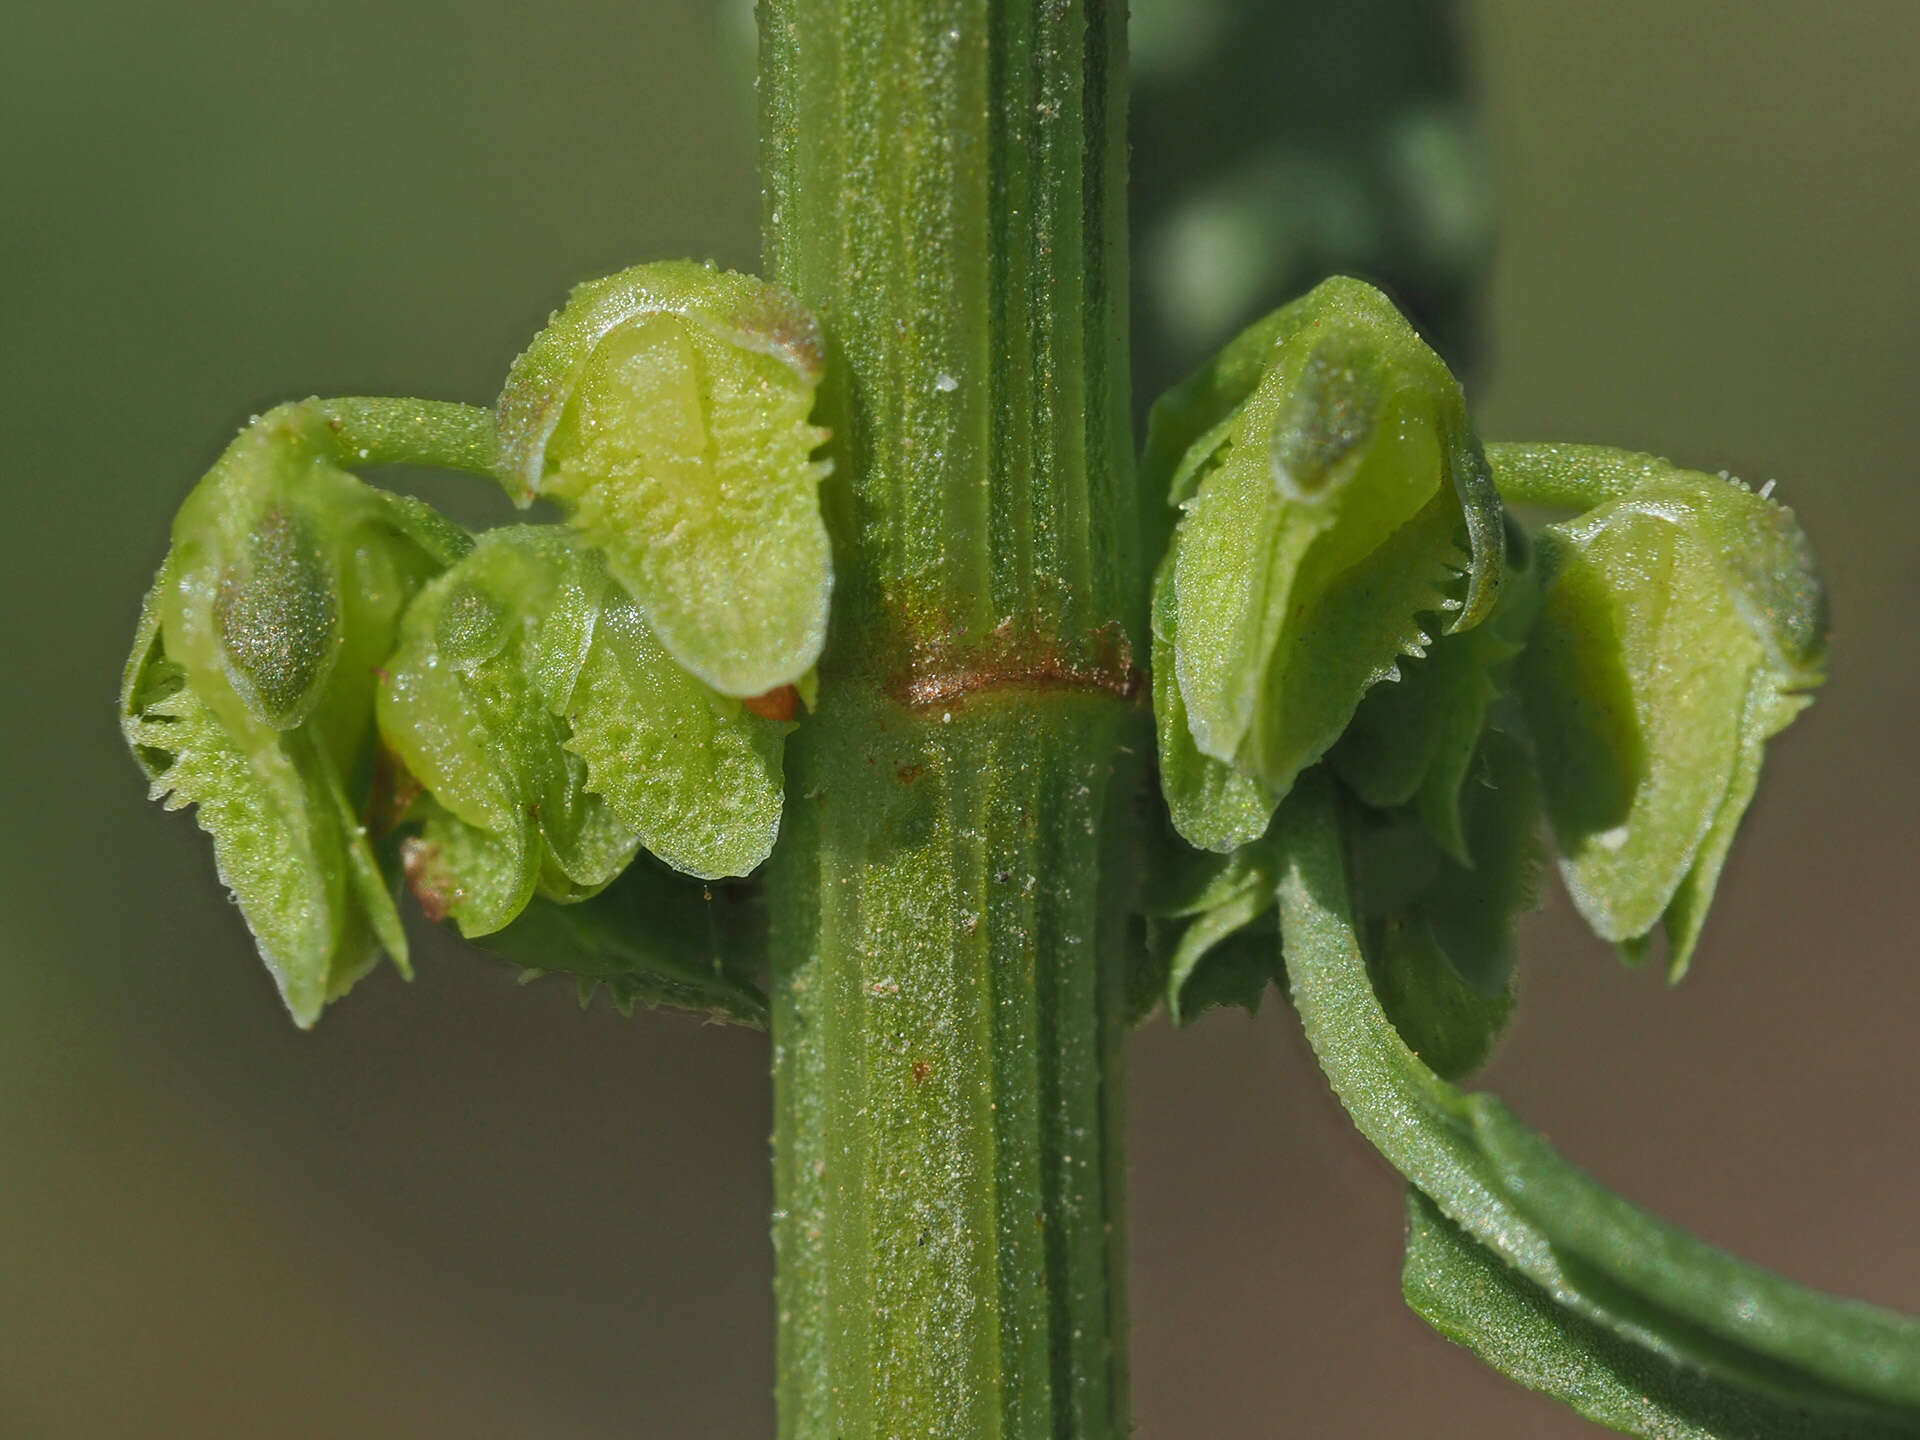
1587 1251
1465 1292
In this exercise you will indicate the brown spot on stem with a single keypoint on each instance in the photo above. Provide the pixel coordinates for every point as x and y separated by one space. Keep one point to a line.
948 674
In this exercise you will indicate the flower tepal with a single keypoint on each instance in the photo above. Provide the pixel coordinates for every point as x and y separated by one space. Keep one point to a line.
665 408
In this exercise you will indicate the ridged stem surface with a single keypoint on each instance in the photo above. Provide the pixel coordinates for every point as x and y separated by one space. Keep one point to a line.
945 190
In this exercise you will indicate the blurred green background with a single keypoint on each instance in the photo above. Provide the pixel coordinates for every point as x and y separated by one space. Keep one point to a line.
463 1208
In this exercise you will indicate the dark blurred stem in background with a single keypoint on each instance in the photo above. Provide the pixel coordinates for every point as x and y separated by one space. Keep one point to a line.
1277 142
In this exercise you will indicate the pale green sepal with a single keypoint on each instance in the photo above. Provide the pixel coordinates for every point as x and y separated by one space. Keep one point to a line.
278 841
372 886
250 690
692 772
1756 539
1768 712
1381 613
475 708
588 842
480 878
1860 1350
1413 741
666 409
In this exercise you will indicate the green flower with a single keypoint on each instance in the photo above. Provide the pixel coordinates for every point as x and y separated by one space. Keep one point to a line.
1338 515
249 693
1684 624
555 737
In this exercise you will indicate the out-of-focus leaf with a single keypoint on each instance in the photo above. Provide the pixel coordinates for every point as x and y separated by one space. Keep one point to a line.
666 408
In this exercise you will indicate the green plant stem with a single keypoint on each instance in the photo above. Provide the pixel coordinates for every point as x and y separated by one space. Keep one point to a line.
945 190
361 431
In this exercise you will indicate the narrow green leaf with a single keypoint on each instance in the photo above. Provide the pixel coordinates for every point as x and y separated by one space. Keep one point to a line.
1436 1137
1857 1348
666 408
1465 1292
